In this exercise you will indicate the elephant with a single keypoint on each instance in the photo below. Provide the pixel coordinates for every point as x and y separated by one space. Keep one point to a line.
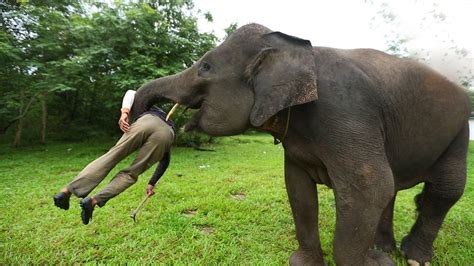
360 121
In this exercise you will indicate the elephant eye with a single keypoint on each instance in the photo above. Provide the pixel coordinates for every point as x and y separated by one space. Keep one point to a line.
205 66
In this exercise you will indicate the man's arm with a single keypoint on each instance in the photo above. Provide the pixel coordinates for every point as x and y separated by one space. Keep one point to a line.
160 170
127 103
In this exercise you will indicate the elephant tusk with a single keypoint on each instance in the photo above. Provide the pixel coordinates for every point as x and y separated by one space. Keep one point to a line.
172 111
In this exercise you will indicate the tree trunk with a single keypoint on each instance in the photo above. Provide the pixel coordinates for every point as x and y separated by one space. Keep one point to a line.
19 131
44 117
19 127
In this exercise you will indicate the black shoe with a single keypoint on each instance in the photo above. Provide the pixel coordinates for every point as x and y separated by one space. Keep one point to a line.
87 209
61 200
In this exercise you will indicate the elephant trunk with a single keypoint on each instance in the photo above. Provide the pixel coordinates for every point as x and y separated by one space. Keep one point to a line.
153 91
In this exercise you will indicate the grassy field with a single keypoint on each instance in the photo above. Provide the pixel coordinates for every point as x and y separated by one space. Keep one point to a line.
226 206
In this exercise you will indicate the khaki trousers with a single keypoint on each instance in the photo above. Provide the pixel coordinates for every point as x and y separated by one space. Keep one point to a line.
149 133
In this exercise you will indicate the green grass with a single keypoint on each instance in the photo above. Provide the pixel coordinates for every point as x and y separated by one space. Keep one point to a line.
233 212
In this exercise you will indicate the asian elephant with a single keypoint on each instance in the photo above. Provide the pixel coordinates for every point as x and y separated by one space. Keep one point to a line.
362 122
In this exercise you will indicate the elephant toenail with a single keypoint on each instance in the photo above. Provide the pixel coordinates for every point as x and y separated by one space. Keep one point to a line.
413 263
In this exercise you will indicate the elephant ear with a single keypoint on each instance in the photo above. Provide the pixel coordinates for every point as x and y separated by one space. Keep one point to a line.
283 74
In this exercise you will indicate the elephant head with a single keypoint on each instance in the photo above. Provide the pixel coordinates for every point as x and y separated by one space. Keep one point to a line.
250 77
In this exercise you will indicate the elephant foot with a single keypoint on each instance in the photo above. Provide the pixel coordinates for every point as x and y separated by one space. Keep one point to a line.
415 253
379 258
301 257
385 243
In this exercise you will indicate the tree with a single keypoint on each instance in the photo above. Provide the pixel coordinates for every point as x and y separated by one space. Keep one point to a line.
471 97
73 61
452 56
230 29
447 56
32 31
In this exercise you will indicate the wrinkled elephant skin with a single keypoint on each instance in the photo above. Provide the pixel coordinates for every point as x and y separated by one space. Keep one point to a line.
362 122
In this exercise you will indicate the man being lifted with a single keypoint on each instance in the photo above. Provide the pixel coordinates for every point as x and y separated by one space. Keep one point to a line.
151 133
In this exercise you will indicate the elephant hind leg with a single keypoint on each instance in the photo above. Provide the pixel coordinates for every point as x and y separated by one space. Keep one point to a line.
445 185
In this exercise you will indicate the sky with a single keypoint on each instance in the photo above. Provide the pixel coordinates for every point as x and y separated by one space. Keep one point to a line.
437 32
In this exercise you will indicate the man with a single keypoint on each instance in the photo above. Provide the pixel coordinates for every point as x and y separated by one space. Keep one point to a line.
151 133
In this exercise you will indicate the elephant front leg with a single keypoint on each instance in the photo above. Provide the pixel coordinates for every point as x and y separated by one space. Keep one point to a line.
362 193
303 197
384 239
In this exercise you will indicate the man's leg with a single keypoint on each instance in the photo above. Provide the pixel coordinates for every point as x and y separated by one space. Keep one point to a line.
97 170
94 172
151 151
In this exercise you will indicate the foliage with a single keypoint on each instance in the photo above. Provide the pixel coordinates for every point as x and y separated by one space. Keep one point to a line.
85 56
230 29
471 97
398 43
223 207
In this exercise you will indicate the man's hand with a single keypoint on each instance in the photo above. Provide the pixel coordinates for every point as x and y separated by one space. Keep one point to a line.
123 121
149 190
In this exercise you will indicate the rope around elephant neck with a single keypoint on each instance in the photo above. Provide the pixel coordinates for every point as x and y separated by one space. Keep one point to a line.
277 141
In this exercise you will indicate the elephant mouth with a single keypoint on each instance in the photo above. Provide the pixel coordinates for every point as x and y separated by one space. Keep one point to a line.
195 104
192 103
193 123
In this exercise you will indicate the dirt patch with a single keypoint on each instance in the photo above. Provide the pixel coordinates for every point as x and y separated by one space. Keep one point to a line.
230 179
238 195
190 212
205 229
